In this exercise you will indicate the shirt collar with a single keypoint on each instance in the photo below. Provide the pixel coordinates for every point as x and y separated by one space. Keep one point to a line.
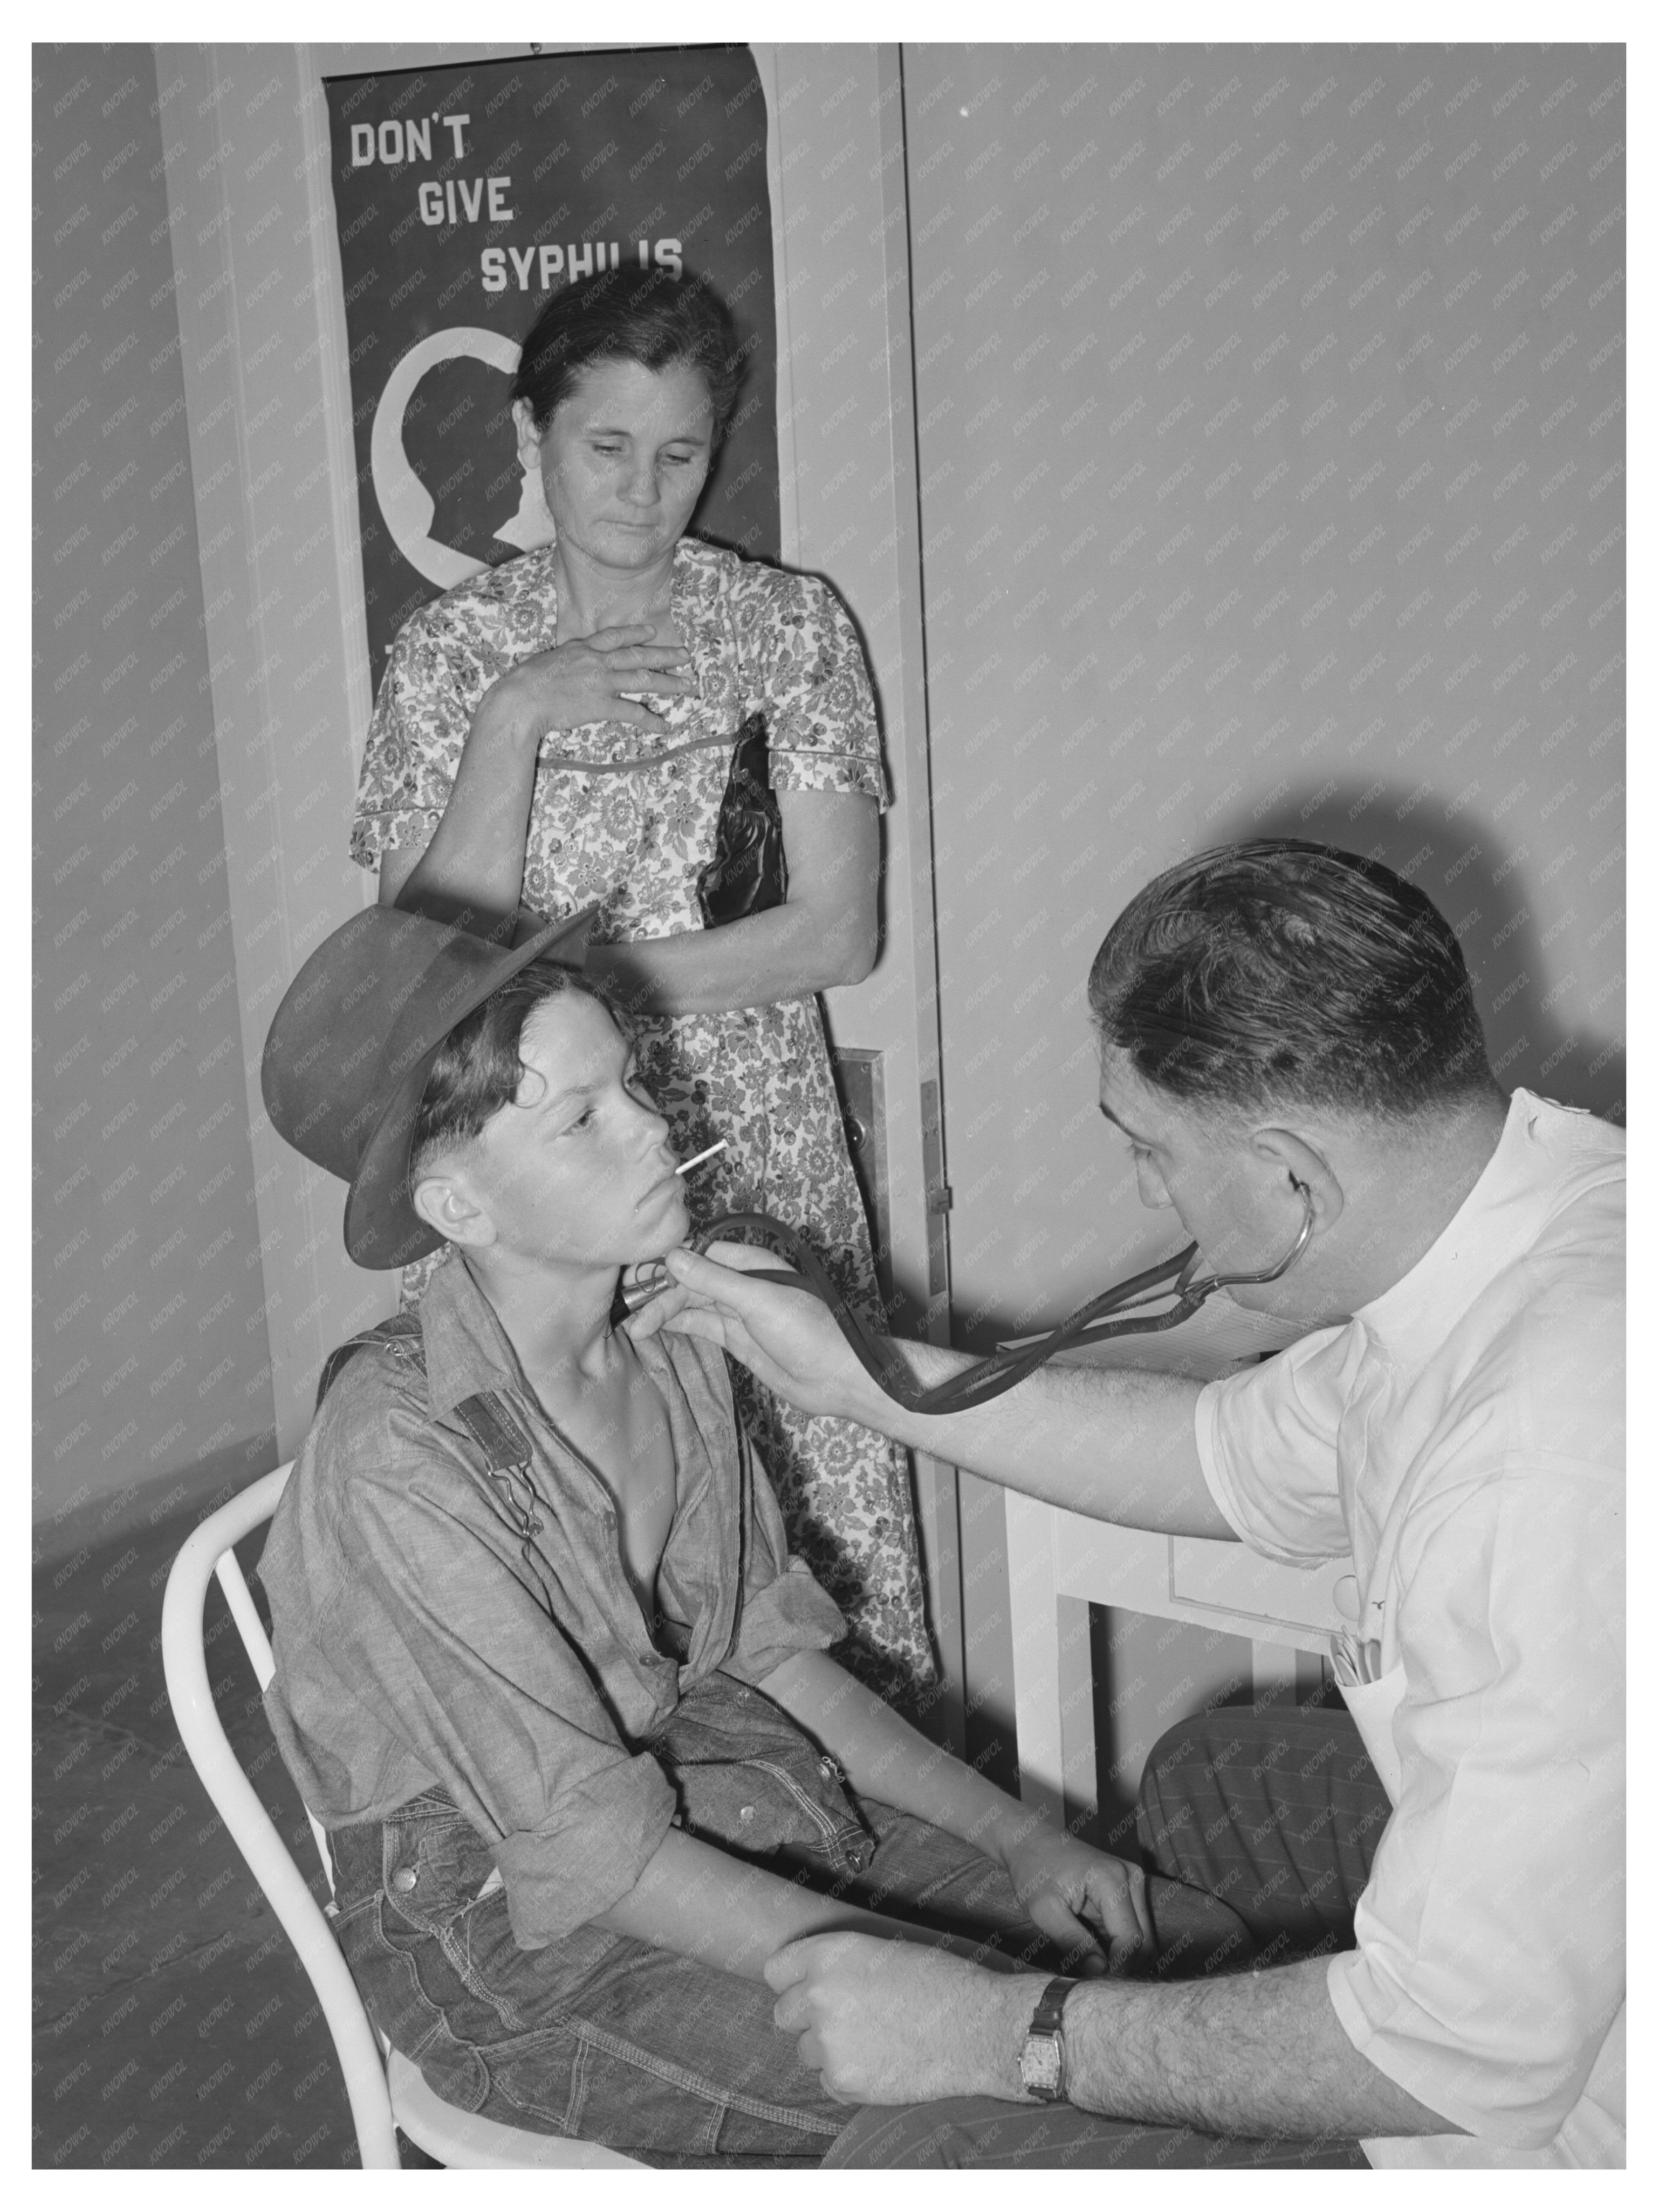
1497 1223
468 1351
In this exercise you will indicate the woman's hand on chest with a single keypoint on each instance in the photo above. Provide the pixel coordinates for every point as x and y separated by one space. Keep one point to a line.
589 680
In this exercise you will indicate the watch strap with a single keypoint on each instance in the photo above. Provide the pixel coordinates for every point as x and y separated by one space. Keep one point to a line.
1049 2014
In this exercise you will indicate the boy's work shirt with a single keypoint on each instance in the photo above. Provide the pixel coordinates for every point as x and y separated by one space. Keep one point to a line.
436 1625
1463 1437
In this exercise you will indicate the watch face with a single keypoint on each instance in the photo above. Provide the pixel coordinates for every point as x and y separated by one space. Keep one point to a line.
1040 2064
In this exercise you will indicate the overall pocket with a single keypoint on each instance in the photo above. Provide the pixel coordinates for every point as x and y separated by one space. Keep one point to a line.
749 1779
433 1861
404 1885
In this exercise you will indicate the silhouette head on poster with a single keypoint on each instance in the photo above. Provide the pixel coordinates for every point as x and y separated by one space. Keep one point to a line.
457 438
412 458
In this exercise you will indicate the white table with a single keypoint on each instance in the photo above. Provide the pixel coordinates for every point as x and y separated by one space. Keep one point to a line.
1060 1562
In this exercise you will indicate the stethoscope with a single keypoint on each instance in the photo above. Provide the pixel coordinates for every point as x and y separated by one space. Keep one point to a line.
989 1378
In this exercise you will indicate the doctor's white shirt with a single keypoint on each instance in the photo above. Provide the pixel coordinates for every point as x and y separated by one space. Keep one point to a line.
1462 1437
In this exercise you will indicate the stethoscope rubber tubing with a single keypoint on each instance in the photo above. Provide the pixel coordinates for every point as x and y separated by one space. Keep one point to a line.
990 1378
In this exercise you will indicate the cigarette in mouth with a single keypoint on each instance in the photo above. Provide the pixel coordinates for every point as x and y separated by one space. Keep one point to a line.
685 1166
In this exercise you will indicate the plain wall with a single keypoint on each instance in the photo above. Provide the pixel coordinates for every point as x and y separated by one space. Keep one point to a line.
1270 447
151 1359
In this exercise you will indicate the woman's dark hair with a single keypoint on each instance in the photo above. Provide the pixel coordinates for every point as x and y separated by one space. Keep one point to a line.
1278 971
646 315
480 1065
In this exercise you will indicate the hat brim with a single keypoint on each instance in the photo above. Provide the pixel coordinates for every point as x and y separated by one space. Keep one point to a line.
382 1228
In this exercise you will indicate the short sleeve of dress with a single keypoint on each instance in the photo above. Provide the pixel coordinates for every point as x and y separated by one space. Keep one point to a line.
415 735
803 665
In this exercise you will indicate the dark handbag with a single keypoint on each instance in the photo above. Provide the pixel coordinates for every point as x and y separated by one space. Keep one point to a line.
749 1780
750 871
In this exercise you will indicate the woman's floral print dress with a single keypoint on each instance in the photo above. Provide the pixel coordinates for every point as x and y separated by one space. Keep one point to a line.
632 831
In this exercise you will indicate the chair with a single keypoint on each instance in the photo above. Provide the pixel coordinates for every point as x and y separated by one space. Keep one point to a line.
385 2090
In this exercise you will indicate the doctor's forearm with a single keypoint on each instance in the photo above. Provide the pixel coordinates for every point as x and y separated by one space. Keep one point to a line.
1115 1444
1247 2055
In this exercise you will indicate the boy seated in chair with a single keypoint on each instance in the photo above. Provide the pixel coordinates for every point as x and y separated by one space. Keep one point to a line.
544 1668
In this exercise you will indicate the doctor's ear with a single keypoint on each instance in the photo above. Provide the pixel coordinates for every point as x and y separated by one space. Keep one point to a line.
1307 1169
445 1205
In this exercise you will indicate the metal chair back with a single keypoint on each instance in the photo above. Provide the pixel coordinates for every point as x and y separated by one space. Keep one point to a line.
385 2090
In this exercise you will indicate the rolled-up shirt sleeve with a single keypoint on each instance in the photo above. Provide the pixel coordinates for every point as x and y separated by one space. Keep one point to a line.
1491 1960
783 1607
461 1663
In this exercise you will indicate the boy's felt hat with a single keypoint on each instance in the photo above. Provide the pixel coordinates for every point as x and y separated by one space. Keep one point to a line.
347 1059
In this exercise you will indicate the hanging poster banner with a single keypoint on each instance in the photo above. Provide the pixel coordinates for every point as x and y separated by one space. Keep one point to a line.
464 197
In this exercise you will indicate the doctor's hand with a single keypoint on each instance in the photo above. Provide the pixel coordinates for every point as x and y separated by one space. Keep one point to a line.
788 1338
900 2023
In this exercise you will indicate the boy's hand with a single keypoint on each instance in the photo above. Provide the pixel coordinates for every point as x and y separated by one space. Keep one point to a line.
788 1338
1077 1895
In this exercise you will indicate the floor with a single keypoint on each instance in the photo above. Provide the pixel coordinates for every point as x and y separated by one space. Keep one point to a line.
172 2024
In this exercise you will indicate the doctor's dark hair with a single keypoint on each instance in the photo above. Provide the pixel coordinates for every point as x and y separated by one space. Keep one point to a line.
480 1065
1277 971
646 315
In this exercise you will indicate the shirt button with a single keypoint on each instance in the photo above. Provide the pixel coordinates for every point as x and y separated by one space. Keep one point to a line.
745 1813
405 1880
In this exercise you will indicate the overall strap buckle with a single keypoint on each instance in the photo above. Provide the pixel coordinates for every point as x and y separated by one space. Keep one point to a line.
507 1452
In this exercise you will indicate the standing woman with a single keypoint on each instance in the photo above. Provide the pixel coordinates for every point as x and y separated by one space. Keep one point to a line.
559 732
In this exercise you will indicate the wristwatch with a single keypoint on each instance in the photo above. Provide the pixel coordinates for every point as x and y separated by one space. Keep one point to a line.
1041 2061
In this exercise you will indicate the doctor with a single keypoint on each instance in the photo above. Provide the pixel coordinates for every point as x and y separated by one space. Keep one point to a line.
1435 1932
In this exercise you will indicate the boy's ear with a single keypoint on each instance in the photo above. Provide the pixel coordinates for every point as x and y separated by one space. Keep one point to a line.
448 1205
